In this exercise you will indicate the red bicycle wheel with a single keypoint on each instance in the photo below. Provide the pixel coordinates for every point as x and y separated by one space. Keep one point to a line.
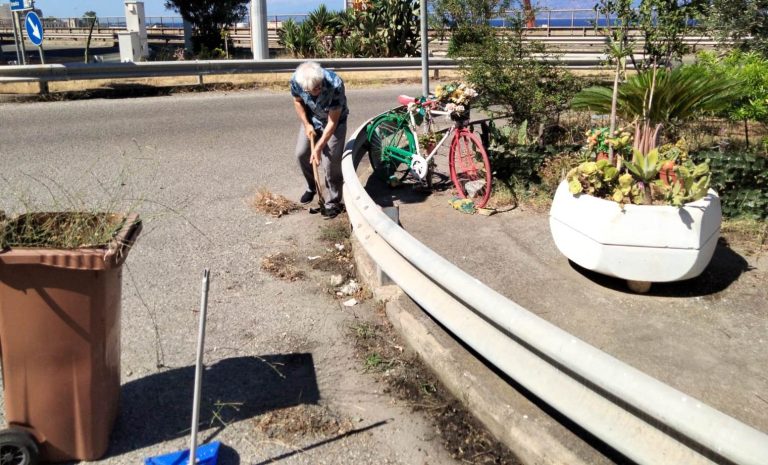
469 167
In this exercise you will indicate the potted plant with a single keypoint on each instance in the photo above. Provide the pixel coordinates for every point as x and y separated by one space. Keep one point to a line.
652 219
60 296
648 215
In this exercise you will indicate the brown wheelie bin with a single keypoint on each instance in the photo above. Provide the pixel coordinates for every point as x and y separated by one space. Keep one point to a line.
60 343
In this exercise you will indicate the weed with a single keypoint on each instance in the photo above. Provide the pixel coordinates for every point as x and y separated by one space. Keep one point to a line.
273 204
282 266
364 330
409 380
290 423
374 362
336 232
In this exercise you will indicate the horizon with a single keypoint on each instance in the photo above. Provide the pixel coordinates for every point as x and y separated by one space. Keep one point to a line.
112 8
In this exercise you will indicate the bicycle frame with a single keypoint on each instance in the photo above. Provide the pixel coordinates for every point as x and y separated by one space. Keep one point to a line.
418 163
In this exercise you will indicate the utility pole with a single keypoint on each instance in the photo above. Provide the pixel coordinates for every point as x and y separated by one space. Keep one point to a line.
259 38
424 50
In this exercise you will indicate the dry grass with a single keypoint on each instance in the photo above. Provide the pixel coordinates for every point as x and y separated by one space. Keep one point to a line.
407 379
502 198
292 423
283 266
747 236
273 204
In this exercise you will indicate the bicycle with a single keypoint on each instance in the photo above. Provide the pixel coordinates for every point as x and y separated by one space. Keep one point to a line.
393 142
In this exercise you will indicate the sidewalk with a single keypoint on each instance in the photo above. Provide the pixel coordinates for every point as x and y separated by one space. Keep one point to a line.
707 337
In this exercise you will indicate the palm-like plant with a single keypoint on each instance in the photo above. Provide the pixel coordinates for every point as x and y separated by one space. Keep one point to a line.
299 39
676 96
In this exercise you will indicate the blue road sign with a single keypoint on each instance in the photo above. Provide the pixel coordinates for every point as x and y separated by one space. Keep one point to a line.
17 5
34 28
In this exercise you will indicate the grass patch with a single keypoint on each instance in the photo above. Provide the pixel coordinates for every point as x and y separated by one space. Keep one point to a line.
747 235
407 379
502 197
292 423
336 232
273 204
282 266
59 230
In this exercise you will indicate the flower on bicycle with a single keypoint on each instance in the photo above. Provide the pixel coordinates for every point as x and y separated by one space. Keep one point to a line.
455 97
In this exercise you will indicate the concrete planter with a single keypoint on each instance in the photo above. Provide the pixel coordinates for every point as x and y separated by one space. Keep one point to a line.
646 243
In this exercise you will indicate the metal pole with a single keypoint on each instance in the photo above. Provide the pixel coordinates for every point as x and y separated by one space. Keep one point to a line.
16 38
42 54
259 38
21 38
199 369
424 50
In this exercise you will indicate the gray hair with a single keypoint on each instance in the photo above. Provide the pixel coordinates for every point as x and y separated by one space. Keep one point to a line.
309 75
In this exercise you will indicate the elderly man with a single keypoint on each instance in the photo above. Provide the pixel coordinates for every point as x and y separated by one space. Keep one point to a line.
321 105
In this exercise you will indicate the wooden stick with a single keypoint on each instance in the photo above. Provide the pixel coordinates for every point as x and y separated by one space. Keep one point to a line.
315 171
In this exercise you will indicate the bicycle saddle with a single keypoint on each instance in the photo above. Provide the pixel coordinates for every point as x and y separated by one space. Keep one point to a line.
405 100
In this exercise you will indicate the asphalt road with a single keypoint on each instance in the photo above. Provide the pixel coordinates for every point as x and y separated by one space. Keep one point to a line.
189 164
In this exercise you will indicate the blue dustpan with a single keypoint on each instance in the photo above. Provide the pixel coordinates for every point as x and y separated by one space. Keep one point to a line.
206 454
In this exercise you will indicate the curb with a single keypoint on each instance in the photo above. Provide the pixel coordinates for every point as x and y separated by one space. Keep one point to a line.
514 420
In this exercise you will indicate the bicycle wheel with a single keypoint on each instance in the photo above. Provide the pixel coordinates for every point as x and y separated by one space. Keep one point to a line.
391 146
470 169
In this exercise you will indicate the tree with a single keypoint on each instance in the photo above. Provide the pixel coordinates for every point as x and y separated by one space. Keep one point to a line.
751 70
457 13
91 18
517 75
209 18
744 22
663 25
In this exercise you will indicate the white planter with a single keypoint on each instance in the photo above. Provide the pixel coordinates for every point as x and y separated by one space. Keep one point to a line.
653 243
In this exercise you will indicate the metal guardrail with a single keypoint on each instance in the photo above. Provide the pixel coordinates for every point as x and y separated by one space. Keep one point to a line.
644 419
82 71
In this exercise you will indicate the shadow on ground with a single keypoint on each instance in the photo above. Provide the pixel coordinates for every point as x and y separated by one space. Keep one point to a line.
407 191
158 407
724 269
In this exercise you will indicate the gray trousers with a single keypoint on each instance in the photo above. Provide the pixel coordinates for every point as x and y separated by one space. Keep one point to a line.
330 162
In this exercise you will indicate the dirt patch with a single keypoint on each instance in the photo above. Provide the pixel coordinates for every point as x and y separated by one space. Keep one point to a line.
283 266
273 204
409 380
337 259
294 423
747 236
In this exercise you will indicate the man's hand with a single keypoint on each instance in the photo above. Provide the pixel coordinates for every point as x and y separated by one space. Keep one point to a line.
314 157
309 130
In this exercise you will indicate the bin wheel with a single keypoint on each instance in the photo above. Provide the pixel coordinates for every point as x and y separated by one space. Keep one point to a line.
17 448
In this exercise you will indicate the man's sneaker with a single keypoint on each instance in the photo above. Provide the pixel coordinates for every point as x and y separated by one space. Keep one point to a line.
331 212
307 197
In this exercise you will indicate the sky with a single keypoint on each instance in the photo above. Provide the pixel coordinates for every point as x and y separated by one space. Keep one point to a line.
76 8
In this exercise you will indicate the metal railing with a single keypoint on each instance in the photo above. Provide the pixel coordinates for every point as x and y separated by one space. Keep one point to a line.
82 71
644 419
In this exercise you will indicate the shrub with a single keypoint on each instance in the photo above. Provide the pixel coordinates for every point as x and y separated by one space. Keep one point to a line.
741 180
554 169
502 69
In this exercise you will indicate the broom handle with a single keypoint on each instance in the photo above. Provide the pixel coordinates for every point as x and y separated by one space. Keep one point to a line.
199 369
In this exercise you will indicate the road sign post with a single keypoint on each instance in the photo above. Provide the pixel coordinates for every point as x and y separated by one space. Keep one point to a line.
17 24
35 32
